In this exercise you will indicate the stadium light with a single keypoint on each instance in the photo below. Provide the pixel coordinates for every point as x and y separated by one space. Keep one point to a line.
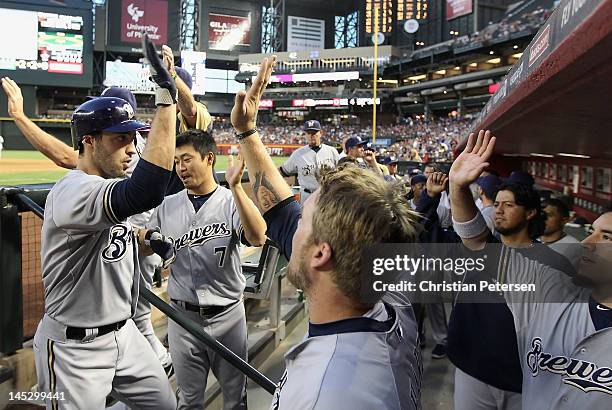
491 52
457 68
517 55
494 61
440 72
473 64
515 47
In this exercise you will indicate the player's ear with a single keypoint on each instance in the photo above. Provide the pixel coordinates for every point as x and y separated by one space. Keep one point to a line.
322 257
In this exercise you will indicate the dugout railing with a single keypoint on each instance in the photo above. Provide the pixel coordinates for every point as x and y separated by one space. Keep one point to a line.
22 293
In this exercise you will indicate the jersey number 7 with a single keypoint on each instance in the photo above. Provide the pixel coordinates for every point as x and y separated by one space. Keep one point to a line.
221 249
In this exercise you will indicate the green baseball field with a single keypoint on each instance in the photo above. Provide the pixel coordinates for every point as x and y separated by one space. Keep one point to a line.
31 167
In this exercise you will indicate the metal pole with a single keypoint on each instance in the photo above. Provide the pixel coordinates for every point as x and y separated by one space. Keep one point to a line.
275 301
375 73
209 341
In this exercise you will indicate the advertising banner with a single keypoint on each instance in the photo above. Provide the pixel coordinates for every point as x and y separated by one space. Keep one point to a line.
140 17
228 31
458 8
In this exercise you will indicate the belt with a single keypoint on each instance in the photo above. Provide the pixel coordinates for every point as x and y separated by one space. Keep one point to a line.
204 310
308 191
79 333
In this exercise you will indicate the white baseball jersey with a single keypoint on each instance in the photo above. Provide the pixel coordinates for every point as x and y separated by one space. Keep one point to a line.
306 163
567 363
207 270
88 257
363 363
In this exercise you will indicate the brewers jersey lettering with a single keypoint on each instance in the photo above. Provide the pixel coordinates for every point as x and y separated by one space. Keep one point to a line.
207 270
91 281
306 162
88 256
566 362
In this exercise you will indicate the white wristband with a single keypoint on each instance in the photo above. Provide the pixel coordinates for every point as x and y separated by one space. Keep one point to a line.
163 97
470 229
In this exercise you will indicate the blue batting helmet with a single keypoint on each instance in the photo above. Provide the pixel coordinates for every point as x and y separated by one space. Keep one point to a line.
110 114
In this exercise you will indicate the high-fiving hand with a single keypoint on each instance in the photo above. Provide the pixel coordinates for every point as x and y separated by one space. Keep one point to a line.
166 94
436 183
235 169
468 166
15 99
246 105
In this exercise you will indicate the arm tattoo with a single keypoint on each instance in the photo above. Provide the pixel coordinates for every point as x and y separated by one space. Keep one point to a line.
264 192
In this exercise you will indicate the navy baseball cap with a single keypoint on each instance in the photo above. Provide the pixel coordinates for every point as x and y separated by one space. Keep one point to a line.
312 125
420 178
389 161
185 76
119 92
111 114
489 184
520 177
354 142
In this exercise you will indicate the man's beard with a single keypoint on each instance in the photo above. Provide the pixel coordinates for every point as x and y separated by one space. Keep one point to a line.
105 164
298 275
512 230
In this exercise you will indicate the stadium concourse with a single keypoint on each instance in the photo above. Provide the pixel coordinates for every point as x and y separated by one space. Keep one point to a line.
294 204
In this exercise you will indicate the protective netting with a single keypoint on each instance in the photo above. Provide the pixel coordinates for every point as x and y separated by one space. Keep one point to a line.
33 292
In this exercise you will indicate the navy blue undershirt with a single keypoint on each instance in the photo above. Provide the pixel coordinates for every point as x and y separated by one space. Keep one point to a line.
282 221
600 314
198 200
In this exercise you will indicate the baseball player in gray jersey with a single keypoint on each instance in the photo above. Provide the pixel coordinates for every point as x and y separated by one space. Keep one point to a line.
306 162
64 156
86 346
207 222
356 355
564 347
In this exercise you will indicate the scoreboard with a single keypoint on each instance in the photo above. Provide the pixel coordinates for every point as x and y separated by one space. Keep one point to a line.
390 12
47 46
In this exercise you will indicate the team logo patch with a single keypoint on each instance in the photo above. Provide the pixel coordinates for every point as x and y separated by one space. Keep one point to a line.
119 240
201 235
581 374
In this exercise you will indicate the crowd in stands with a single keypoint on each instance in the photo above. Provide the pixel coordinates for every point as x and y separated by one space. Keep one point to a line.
411 140
529 21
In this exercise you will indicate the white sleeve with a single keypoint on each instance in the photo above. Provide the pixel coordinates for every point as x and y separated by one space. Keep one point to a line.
551 286
290 166
84 204
155 220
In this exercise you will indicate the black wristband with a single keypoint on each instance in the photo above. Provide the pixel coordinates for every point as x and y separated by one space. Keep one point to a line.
245 134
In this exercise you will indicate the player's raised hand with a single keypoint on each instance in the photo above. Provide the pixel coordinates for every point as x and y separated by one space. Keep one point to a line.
168 58
468 166
15 99
436 183
166 93
370 158
246 105
235 169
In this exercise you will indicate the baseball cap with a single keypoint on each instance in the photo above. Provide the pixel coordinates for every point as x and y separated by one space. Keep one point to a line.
489 184
420 178
119 92
353 142
389 161
111 114
312 125
520 177
185 76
